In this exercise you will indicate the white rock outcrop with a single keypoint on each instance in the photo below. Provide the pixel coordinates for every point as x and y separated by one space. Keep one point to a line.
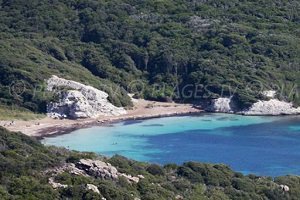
92 188
262 107
98 169
272 107
79 100
284 188
269 93
56 185
221 105
90 168
103 170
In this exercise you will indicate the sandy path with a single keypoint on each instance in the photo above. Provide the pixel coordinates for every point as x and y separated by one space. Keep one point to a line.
142 109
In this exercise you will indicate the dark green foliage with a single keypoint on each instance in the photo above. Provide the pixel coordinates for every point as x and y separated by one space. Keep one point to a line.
155 170
23 161
217 47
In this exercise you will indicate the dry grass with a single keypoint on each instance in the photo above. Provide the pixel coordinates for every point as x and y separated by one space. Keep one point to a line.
7 113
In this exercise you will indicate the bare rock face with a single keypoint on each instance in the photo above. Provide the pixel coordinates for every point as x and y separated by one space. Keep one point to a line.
262 107
79 101
221 105
103 170
269 93
89 168
272 107
92 188
98 169
56 185
284 188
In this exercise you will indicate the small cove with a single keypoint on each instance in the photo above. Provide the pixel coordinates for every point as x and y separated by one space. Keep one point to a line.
250 144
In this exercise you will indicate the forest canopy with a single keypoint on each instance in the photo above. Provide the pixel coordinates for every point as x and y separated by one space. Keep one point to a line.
217 47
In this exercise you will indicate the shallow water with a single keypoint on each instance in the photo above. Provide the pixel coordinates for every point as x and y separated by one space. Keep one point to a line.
249 144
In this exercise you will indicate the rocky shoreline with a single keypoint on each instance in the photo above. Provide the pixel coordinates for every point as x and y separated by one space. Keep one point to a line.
83 106
270 107
84 101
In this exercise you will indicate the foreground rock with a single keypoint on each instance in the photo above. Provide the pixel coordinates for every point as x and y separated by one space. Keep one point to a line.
103 170
79 101
90 168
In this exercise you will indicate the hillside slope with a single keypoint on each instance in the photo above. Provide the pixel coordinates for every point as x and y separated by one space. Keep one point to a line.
24 162
212 48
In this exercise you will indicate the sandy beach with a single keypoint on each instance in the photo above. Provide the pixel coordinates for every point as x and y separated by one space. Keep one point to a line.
142 109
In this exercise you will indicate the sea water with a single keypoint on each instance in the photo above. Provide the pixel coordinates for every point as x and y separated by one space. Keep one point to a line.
267 146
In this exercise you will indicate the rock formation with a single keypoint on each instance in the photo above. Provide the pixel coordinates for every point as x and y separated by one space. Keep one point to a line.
272 107
221 105
79 101
269 93
262 107
56 185
98 169
90 168
284 188
92 188
103 170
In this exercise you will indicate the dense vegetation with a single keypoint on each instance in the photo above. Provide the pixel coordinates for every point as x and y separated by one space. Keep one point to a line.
210 44
23 161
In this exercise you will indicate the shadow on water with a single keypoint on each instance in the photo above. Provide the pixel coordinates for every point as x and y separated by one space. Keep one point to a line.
152 125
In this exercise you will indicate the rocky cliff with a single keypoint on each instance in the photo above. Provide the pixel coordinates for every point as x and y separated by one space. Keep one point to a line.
77 100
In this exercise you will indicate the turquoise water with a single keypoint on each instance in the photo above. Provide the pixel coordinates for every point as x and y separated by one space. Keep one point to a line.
249 144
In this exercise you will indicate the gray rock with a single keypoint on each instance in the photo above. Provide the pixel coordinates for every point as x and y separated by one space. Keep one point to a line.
56 185
266 107
103 170
272 107
98 169
79 100
221 105
92 188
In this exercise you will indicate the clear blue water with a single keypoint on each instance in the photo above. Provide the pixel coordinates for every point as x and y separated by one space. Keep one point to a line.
267 146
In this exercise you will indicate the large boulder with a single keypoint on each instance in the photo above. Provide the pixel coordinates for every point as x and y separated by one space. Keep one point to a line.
79 101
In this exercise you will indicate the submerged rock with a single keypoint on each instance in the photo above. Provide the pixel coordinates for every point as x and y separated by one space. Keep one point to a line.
79 101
